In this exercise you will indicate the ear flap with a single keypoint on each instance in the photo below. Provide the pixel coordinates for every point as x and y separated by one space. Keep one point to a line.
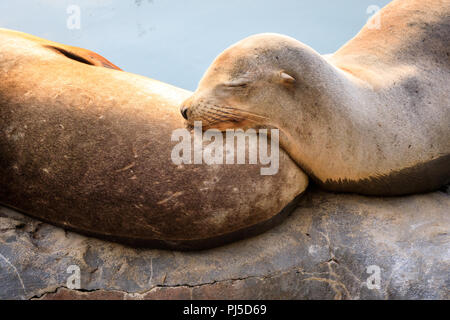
285 78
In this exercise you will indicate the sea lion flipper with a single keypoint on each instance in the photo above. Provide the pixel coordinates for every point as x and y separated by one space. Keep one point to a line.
78 54
82 55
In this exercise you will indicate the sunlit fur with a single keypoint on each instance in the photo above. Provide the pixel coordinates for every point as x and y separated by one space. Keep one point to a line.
373 118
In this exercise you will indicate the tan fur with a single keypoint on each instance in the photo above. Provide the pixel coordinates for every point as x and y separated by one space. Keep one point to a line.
88 56
89 149
373 118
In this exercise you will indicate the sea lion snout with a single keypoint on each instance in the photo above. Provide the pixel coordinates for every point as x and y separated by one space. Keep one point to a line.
184 110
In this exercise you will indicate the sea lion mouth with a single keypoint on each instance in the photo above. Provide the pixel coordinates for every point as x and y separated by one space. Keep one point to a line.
221 126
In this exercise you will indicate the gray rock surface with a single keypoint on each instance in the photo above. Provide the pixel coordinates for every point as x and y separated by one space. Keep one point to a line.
322 251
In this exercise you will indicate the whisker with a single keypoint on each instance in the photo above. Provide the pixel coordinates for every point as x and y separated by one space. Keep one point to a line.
244 112
239 118
211 119
215 114
217 108
228 115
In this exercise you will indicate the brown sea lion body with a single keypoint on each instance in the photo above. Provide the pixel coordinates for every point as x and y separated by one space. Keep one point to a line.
373 118
89 149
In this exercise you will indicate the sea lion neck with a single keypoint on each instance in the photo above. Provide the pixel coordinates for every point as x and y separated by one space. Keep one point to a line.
319 113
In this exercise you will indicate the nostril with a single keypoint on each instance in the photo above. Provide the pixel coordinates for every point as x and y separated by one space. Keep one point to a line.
184 112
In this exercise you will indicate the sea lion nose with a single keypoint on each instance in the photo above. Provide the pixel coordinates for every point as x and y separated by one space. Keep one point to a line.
184 112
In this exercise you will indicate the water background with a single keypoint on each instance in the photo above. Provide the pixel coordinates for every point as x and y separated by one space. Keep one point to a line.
176 40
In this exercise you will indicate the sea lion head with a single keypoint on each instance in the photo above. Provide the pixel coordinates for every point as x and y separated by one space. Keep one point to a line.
244 85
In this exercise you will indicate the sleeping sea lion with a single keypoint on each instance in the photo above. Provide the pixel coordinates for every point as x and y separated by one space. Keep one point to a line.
89 148
373 118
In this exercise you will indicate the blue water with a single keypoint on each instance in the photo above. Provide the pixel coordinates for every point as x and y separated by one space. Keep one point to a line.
176 40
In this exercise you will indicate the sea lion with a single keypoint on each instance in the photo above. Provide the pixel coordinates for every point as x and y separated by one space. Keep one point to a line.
78 54
89 148
373 118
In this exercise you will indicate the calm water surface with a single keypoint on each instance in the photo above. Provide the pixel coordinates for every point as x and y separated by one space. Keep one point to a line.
176 40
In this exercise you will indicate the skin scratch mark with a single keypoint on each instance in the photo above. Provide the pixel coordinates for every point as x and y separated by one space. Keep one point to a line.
15 271
176 194
131 165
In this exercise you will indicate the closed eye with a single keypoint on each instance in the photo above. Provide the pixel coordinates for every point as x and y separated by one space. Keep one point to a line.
235 84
